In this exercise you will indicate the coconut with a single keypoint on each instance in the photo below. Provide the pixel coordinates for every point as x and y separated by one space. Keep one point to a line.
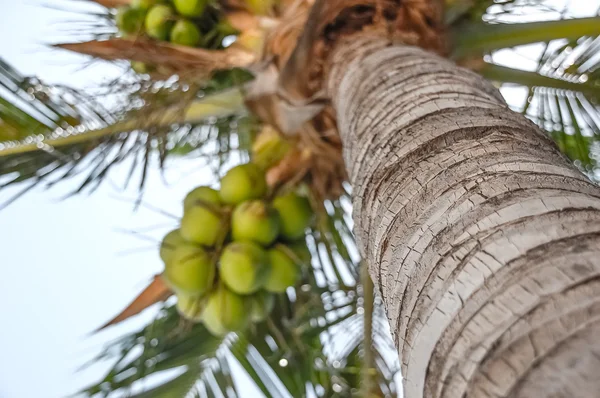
190 8
141 68
159 21
225 312
201 195
242 183
144 4
129 20
190 270
260 7
284 270
244 267
169 243
202 221
255 221
185 33
295 215
190 307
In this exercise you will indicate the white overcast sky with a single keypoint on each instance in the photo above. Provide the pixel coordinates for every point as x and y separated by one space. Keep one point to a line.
63 273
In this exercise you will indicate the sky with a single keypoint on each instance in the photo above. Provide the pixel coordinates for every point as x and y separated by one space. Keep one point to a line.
66 266
65 270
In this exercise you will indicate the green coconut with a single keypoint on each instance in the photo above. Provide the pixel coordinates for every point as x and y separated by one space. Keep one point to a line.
202 221
261 304
284 270
185 33
190 307
225 312
255 221
260 7
244 267
295 215
201 195
144 4
190 8
169 243
159 21
242 183
190 270
129 20
141 67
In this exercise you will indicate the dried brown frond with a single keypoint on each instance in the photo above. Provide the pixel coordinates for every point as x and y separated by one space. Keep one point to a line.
415 22
175 58
243 20
155 292
282 39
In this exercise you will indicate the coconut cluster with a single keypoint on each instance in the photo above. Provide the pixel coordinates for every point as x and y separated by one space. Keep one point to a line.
234 250
181 22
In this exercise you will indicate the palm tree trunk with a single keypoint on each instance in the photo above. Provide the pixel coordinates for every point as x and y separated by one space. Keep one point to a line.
482 239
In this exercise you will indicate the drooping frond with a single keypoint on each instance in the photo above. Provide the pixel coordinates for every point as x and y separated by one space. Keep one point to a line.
560 73
151 120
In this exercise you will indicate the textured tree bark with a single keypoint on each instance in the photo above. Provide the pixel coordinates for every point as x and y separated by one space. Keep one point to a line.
483 240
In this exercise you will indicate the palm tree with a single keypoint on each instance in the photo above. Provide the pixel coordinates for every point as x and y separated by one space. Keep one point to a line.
480 237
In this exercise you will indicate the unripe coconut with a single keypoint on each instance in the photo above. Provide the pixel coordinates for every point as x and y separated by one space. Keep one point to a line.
260 7
191 270
190 8
225 312
190 307
144 4
202 221
295 215
261 304
141 68
270 146
201 195
244 267
170 242
129 20
284 270
255 221
242 183
185 33
159 21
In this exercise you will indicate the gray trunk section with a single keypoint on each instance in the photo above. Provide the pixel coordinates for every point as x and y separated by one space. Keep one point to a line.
482 239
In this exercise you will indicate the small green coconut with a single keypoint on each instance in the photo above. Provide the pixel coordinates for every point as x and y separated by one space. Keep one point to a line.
190 8
129 20
255 221
295 215
170 242
225 312
244 267
190 270
159 21
242 183
185 33
284 270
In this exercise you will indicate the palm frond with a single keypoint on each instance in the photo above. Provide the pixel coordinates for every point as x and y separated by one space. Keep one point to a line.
151 120
177 59
563 94
479 38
